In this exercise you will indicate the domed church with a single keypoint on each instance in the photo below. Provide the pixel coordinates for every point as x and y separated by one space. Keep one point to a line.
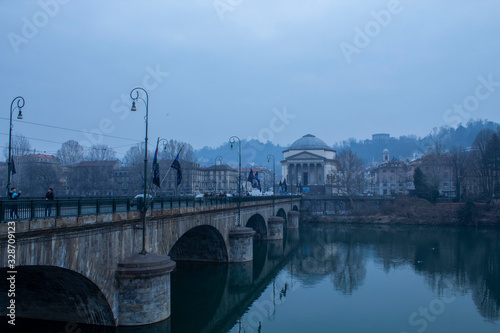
309 162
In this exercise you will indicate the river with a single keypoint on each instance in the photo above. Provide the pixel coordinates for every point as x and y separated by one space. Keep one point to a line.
339 278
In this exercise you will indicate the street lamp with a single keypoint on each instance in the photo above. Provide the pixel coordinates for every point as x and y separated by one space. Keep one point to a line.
20 103
165 144
232 141
274 176
217 159
145 208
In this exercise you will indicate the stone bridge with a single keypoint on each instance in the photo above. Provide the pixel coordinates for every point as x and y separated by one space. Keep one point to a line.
89 270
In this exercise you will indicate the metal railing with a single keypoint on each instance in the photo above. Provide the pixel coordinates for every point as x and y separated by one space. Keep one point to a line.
31 209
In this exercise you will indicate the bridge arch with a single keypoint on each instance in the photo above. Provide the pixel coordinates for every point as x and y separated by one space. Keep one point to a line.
58 294
257 223
281 213
201 243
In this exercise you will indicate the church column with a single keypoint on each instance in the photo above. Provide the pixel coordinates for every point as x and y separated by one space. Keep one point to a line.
320 173
322 170
296 173
308 174
315 173
318 166
311 174
300 173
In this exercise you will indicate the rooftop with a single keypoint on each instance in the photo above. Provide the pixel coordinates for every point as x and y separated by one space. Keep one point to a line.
309 142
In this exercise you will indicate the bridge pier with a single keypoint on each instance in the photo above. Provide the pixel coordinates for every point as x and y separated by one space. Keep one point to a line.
240 275
293 220
144 289
241 244
275 228
275 249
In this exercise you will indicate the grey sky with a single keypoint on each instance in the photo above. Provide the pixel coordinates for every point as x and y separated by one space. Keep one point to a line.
264 69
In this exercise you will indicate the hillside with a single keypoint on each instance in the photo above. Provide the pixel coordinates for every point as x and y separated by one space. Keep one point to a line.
405 147
255 153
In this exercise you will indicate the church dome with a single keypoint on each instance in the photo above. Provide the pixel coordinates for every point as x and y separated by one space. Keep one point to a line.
309 142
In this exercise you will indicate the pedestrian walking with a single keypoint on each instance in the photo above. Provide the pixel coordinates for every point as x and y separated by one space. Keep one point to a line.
13 195
49 197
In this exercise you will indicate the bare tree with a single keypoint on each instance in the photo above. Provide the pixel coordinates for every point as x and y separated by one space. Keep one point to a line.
173 147
350 175
71 152
35 177
493 163
101 153
134 162
20 146
480 163
458 161
437 148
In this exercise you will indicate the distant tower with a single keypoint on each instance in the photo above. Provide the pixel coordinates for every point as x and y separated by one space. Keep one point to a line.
385 155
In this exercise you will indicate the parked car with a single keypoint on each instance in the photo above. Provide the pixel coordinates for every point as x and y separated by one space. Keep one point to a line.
138 200
142 196
254 193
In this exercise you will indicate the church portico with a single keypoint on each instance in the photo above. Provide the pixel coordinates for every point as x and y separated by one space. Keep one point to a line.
306 164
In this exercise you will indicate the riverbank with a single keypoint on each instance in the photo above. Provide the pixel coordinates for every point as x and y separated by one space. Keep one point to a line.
413 211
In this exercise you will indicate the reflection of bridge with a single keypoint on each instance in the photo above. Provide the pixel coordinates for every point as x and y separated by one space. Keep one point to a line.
233 288
87 268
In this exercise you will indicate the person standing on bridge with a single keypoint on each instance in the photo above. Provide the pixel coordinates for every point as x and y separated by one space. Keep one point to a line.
13 195
49 197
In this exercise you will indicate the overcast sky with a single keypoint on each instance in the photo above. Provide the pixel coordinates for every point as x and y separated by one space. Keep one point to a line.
256 69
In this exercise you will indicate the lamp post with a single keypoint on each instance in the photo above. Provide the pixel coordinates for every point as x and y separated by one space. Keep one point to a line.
20 103
217 159
232 141
145 208
165 144
269 157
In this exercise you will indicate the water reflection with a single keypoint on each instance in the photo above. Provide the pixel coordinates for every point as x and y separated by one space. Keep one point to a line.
208 297
466 259
333 252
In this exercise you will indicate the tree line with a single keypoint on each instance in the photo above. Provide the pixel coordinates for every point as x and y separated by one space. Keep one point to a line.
75 170
475 170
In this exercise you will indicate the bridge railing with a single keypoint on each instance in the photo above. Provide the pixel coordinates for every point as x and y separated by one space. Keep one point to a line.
31 209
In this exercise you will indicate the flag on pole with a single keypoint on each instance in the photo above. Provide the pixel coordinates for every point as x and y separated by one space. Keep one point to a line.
258 181
250 176
177 166
13 166
156 167
284 185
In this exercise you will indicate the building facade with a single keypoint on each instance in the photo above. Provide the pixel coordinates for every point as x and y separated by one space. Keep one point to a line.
307 163
391 177
394 177
439 172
